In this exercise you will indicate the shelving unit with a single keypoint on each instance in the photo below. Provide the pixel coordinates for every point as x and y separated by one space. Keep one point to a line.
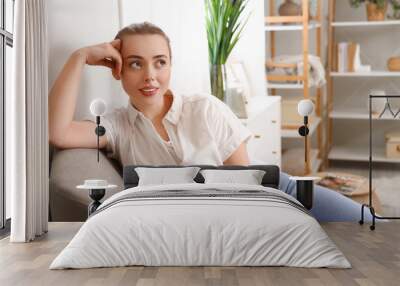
304 24
355 113
279 27
343 153
366 74
286 86
342 144
365 23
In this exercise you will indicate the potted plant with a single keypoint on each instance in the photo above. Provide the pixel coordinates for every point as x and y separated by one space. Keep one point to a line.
376 9
224 28
396 9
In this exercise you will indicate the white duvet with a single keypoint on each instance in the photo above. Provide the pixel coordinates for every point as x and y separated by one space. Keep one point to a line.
185 230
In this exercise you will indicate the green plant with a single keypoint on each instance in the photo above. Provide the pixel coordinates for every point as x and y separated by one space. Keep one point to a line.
396 9
223 27
379 3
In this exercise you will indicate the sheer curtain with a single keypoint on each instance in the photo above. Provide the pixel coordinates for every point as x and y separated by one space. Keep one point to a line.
26 123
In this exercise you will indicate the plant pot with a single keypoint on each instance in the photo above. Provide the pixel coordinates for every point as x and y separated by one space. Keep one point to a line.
374 13
218 81
289 8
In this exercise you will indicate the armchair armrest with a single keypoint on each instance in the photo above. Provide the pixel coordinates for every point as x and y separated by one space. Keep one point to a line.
70 168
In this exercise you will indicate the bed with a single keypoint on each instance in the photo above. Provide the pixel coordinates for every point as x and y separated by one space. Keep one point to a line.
201 224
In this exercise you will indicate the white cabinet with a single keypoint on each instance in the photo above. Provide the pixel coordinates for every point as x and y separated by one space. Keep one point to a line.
264 121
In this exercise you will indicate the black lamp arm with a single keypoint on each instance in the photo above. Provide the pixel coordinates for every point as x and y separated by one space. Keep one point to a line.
100 131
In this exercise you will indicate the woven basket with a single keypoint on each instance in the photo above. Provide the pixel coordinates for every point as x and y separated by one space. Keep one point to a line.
393 64
374 13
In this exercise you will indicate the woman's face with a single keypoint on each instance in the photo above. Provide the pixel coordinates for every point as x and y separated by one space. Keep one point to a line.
146 67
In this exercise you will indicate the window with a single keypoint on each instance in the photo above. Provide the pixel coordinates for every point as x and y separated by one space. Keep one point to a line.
6 44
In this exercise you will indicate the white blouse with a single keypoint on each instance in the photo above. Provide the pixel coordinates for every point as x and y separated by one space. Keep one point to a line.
201 129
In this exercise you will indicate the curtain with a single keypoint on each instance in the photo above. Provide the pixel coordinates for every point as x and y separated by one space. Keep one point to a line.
26 123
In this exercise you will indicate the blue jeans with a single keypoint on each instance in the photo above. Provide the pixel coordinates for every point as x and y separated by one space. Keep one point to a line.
328 205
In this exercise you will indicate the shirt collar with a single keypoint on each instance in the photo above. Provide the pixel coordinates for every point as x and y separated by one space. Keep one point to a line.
175 110
172 115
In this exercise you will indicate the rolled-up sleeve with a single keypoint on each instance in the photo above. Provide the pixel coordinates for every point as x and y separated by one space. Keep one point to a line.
228 131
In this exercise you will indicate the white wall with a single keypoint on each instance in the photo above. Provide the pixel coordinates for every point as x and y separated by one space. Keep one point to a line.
73 24
251 47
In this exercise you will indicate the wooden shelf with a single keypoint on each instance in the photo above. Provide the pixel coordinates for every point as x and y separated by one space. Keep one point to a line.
290 27
366 74
366 23
360 153
293 133
282 19
356 114
287 86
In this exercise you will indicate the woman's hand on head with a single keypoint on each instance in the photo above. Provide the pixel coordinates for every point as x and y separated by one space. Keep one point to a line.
105 54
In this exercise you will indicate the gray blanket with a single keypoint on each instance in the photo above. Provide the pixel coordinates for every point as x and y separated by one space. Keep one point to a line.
206 193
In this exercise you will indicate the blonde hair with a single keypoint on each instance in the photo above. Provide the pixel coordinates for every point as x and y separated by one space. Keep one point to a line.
144 28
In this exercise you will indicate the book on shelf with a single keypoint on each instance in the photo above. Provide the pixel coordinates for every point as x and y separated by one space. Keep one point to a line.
346 58
351 56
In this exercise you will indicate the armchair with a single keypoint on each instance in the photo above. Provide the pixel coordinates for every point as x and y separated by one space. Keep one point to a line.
70 168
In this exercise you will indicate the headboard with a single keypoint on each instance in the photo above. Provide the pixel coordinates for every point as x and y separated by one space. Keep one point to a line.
270 179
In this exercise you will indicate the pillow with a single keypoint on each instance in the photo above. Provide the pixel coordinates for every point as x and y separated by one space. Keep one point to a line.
162 176
249 177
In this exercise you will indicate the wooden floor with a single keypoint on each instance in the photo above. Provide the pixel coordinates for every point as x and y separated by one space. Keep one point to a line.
374 255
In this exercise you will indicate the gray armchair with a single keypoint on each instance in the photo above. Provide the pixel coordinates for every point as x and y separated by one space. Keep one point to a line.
70 168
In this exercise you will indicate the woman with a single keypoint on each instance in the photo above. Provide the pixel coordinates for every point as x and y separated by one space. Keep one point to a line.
159 126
